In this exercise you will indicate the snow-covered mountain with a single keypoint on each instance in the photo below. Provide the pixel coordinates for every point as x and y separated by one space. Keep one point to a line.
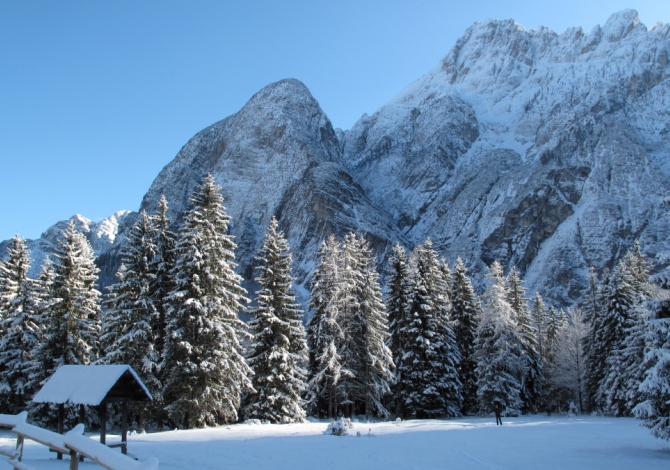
543 150
106 238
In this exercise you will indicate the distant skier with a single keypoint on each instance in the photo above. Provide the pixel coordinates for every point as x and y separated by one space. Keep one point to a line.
498 411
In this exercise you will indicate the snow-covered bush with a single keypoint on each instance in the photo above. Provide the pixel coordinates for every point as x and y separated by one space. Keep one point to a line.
339 428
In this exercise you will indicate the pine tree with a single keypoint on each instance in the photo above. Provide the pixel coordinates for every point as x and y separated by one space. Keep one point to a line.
128 335
429 368
465 314
203 362
654 409
39 369
351 318
19 326
162 283
624 328
398 305
73 328
595 350
324 334
160 267
532 377
498 350
377 361
278 337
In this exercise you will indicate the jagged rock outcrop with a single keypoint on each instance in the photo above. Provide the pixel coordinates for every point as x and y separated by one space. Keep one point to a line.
546 151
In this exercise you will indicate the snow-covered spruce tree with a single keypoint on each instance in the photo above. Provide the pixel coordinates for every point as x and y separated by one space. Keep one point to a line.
398 306
595 351
72 331
654 391
532 375
19 325
278 345
127 334
38 370
204 366
654 409
626 319
348 303
324 334
567 369
377 361
429 368
498 350
162 283
465 314
160 267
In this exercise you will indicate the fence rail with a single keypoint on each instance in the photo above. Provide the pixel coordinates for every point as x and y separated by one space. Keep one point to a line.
73 443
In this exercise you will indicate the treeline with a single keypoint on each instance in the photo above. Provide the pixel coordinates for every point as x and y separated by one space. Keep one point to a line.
425 345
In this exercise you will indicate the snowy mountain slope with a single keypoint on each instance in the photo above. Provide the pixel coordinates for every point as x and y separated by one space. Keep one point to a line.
542 150
106 238
279 155
566 167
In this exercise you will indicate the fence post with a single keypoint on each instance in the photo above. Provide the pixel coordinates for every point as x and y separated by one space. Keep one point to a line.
61 425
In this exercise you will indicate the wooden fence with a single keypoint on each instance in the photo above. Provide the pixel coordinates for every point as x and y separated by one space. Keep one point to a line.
73 443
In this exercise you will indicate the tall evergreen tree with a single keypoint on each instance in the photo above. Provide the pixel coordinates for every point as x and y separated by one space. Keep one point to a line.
377 361
465 314
19 326
532 375
160 267
71 336
429 369
204 366
128 335
39 369
595 350
324 334
624 334
498 350
162 283
278 337
654 407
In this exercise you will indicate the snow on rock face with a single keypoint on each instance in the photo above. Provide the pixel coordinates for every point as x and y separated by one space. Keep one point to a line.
279 155
105 237
568 162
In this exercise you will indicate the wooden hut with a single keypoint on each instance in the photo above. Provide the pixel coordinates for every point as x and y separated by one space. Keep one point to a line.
94 386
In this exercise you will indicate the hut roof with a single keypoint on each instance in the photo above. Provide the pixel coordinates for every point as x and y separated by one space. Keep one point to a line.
92 385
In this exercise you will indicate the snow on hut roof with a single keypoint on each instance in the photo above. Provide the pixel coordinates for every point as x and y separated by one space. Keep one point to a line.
91 385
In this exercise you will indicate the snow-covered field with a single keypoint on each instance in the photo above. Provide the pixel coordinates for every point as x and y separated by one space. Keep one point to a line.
536 442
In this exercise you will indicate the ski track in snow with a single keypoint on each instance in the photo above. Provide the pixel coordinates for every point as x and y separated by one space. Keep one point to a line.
535 442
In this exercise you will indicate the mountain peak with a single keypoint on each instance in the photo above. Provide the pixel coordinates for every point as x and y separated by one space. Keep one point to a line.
620 24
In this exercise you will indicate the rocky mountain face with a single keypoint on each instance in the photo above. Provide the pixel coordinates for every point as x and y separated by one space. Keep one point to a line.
546 151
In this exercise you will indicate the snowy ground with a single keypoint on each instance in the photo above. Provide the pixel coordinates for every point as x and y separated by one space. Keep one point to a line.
535 442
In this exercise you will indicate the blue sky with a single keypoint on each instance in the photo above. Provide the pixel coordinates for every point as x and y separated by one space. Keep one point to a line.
96 97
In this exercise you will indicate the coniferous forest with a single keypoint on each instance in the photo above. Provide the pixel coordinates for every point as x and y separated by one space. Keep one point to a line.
412 339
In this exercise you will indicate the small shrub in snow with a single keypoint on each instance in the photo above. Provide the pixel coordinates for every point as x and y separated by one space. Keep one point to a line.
339 428
398 421
572 411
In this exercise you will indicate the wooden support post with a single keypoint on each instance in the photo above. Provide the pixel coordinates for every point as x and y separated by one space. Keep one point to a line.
19 447
103 422
124 427
61 425
82 420
74 460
